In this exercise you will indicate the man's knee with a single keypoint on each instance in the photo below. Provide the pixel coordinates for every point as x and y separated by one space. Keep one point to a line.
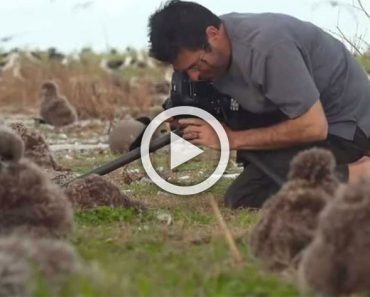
235 201
249 195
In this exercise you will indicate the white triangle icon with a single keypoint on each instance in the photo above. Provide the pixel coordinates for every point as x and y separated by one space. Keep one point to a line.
182 151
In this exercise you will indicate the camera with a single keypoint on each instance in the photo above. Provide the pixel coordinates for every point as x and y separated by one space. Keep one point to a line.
202 94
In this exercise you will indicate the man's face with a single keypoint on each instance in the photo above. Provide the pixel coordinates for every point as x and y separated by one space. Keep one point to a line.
207 63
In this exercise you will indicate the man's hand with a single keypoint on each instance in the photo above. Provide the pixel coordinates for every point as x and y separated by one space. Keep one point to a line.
173 123
199 132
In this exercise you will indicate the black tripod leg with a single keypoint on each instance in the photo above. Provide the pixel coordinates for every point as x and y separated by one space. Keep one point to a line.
254 159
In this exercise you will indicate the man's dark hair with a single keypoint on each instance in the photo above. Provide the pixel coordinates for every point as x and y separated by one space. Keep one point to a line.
179 24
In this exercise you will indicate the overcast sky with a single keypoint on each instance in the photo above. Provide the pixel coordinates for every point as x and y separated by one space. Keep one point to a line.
72 24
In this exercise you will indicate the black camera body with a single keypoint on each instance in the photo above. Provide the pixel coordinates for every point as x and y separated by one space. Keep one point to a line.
202 94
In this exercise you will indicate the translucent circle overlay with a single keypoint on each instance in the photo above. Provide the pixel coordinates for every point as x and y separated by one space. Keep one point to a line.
217 173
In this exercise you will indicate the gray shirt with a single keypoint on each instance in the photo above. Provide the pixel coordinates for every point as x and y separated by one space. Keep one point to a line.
282 63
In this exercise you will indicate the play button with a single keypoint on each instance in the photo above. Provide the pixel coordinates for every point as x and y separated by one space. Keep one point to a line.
182 151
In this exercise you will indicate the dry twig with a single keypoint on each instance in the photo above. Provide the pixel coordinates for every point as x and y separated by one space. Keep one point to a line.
228 236
363 8
349 41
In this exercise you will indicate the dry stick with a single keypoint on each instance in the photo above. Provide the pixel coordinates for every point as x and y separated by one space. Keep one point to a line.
363 8
228 236
349 41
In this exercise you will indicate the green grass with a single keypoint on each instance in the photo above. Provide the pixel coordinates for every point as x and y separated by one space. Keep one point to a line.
104 215
140 254
144 257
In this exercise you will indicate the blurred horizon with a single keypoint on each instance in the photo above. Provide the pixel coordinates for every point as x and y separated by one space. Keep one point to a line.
71 25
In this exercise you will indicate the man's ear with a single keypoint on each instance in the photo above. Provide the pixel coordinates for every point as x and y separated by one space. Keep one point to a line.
213 33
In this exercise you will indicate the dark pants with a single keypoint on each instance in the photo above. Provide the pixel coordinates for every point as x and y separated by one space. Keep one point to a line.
252 187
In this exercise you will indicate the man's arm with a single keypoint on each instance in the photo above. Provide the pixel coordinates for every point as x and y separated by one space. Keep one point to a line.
311 126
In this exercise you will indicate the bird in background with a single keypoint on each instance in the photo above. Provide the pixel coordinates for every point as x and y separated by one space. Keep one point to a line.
126 132
55 109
